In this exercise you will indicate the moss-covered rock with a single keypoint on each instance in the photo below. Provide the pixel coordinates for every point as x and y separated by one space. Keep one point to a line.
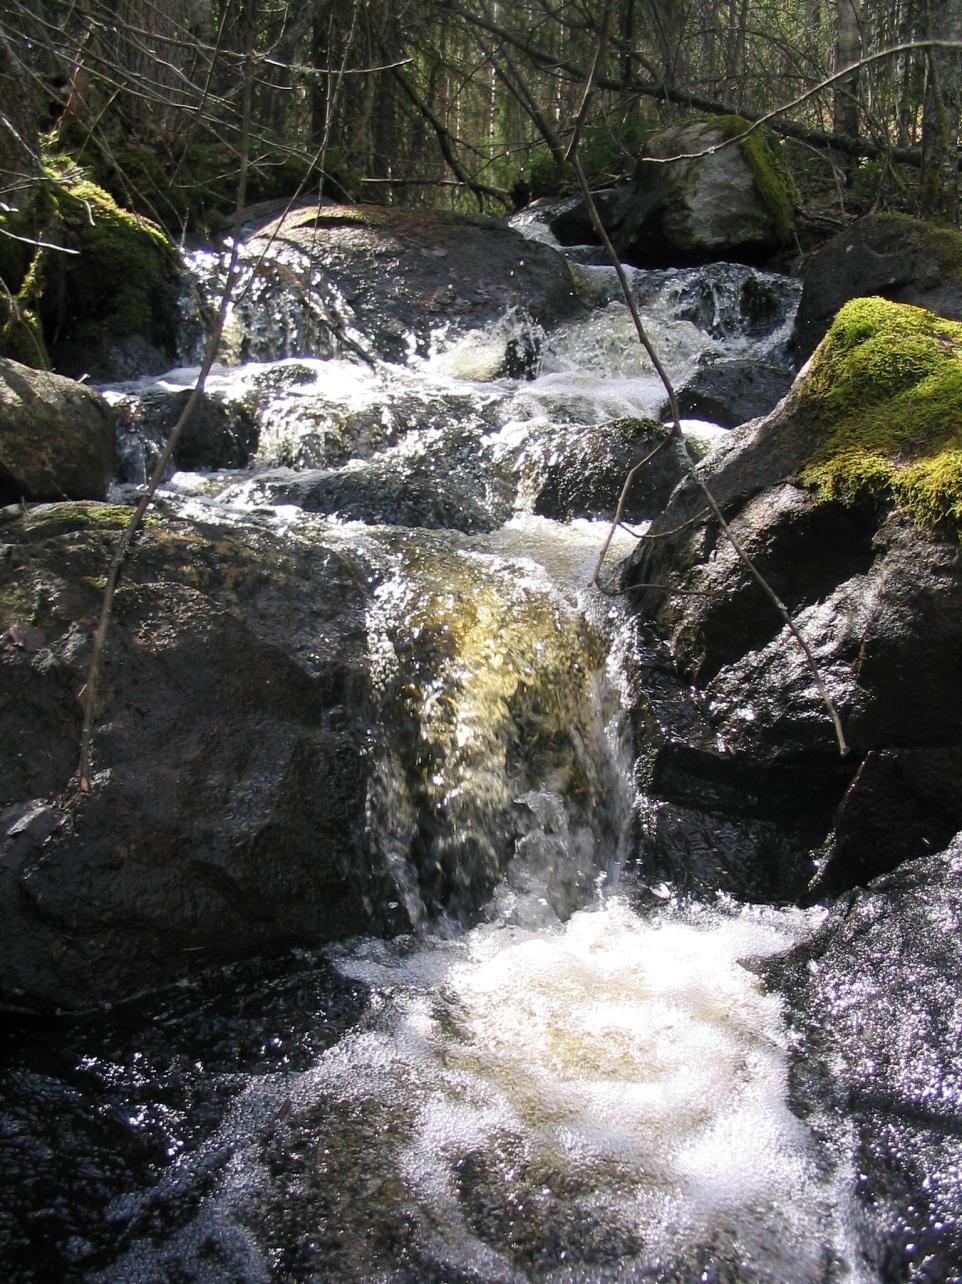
122 285
884 397
847 499
720 198
105 304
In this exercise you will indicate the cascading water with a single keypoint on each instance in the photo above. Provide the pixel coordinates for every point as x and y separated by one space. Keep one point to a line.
537 1083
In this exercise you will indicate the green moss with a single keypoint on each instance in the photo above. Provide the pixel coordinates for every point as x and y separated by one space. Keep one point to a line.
75 515
123 274
884 397
774 183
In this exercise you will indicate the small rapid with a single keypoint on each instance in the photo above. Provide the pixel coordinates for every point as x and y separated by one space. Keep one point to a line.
554 1071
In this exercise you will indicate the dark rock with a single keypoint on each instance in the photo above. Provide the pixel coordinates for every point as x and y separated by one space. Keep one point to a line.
711 820
227 809
219 434
56 437
874 1001
401 275
730 392
891 255
878 599
901 803
577 470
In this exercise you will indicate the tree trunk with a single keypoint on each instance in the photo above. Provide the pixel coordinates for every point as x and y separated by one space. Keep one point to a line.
848 44
939 187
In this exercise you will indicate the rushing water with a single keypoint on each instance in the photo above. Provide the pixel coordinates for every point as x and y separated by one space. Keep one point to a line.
568 1090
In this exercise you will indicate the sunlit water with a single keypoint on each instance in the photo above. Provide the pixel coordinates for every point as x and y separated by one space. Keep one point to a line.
601 1099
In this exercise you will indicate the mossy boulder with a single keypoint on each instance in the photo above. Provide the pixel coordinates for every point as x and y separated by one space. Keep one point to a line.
56 437
884 397
727 197
105 305
115 306
892 255
847 498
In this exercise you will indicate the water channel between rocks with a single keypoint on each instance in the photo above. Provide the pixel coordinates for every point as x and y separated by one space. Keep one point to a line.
539 1081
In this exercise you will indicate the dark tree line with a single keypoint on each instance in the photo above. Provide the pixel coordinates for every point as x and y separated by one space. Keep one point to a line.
467 101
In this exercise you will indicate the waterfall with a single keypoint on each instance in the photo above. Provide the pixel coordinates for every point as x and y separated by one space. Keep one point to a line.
536 1081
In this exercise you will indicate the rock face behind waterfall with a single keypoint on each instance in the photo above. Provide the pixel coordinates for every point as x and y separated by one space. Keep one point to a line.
847 499
228 800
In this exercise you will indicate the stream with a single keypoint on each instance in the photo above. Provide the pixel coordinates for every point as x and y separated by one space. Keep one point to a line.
558 1071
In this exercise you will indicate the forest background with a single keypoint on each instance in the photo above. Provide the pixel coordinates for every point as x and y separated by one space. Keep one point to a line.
462 103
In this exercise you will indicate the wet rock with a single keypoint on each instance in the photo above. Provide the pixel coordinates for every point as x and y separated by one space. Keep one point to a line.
420 484
877 595
577 470
56 437
227 806
730 392
874 1000
219 434
387 282
892 255
711 819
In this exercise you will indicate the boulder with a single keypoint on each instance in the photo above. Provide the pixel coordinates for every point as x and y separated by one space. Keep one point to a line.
730 200
110 309
56 437
873 1002
892 255
578 470
384 282
733 390
846 498
219 434
227 809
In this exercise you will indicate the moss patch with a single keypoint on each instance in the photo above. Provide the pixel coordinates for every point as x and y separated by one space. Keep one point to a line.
125 261
773 182
75 515
884 394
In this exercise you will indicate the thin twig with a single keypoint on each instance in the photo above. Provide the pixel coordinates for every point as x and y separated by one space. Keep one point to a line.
160 469
677 438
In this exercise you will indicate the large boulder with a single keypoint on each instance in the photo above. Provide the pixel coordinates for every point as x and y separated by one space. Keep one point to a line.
227 805
723 199
395 283
892 255
56 437
847 499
